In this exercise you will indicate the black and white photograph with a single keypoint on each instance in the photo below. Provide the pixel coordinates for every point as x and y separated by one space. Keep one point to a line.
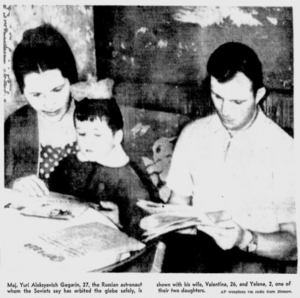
149 139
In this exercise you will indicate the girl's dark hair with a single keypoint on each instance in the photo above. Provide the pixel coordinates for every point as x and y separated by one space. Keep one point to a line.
43 48
233 57
104 109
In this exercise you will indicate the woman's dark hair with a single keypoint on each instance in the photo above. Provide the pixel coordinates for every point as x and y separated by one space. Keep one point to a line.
43 48
104 109
233 57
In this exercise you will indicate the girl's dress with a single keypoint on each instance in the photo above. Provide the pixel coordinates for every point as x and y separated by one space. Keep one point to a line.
115 182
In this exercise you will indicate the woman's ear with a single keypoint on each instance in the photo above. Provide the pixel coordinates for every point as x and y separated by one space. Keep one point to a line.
260 93
118 137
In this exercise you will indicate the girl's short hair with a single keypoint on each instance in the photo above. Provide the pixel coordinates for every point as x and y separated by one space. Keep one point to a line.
104 109
43 48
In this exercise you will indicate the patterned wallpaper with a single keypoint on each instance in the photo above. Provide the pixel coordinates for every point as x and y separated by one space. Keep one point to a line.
157 56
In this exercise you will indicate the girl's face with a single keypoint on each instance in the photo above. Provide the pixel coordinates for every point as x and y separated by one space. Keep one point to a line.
95 139
48 93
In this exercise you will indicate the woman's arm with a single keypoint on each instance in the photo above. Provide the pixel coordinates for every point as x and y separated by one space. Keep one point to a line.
21 153
8 153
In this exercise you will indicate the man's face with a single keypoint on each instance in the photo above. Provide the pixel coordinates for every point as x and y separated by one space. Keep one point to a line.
235 101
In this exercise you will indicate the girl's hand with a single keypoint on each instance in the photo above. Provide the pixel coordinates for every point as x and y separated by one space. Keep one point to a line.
111 210
32 186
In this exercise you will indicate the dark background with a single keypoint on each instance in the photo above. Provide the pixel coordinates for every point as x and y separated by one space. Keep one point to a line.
157 55
158 58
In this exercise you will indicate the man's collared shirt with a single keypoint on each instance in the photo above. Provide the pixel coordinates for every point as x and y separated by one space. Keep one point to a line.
251 174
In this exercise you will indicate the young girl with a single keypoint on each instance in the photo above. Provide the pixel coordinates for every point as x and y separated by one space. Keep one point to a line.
101 171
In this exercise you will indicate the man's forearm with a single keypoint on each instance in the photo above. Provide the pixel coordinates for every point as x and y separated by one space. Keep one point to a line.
280 245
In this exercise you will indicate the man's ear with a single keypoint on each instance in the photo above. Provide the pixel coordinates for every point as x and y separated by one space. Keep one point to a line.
118 137
260 93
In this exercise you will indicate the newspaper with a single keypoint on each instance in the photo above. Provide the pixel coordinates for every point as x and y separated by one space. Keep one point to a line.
79 248
145 285
166 218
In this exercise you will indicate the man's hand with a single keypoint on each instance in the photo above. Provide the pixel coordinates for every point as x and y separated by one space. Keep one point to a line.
227 233
31 185
177 199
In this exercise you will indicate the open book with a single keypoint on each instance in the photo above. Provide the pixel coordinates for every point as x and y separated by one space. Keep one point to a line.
166 218
59 233
54 205
55 208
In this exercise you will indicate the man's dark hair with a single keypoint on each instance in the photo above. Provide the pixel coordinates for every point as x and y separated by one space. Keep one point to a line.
43 48
233 57
104 109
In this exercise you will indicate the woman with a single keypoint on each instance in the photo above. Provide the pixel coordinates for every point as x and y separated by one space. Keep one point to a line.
40 134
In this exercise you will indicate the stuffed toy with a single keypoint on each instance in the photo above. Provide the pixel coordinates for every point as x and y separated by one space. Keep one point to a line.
158 167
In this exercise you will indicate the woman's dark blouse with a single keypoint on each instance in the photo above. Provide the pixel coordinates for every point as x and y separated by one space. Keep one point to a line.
25 154
92 182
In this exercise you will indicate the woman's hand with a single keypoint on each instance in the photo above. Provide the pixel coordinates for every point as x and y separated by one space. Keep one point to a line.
227 233
31 185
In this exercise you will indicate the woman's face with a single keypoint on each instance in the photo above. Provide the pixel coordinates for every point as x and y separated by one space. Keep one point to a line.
48 93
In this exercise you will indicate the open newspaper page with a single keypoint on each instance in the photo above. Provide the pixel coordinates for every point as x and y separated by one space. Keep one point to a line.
166 218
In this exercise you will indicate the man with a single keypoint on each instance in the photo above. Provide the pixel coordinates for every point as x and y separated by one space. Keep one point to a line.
237 165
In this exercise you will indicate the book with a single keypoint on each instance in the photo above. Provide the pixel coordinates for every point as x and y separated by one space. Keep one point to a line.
55 207
85 247
58 233
165 218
